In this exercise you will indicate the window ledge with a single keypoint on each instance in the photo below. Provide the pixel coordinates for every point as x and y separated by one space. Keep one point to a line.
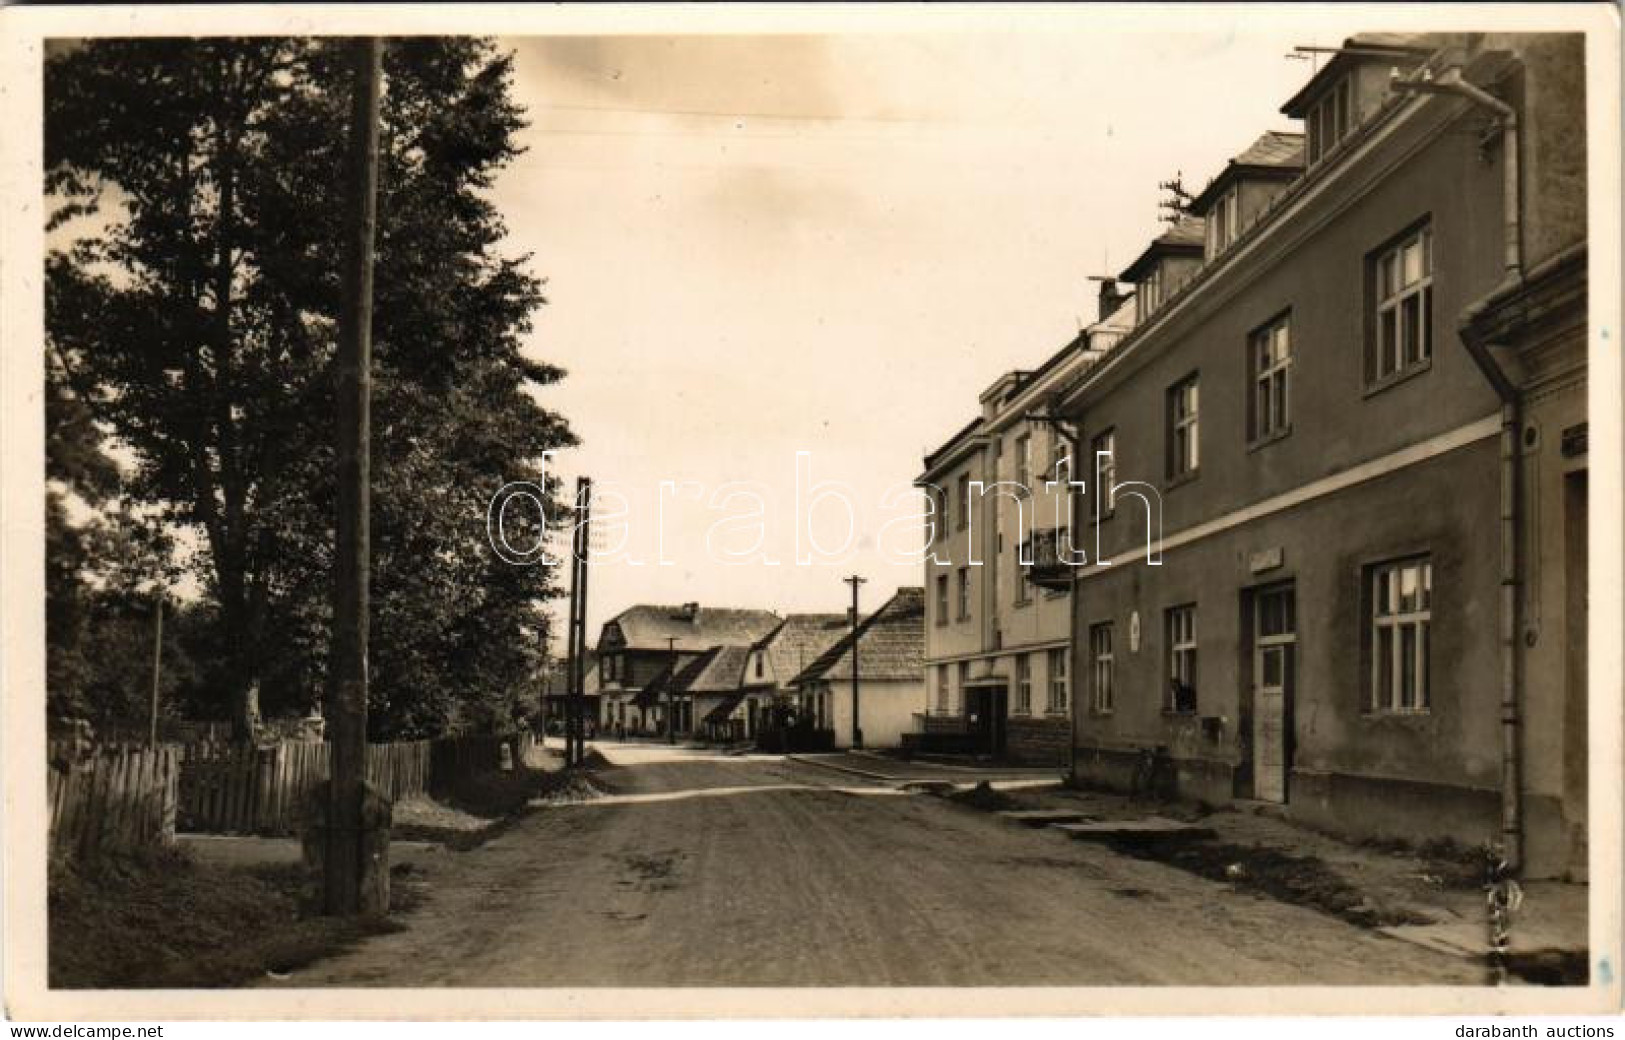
1396 713
1270 438
1182 479
1018 604
1393 379
1179 713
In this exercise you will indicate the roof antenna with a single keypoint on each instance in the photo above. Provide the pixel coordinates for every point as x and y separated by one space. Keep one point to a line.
1178 202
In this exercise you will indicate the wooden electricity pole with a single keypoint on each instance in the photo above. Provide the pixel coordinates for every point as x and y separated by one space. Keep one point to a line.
157 661
347 890
857 728
575 734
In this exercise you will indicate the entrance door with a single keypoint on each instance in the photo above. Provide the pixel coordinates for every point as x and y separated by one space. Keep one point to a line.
1274 643
987 706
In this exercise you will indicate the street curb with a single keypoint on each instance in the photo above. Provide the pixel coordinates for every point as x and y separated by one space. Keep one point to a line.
850 770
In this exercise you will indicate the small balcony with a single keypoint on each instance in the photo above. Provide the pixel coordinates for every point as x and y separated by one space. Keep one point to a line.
1048 570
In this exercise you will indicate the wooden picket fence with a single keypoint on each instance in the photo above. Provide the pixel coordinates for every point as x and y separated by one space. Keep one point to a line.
266 790
113 798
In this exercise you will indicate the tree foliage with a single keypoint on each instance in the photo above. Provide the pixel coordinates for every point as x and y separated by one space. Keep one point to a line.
198 325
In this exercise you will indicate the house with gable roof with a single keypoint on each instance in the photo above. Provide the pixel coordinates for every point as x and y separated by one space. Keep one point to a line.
889 650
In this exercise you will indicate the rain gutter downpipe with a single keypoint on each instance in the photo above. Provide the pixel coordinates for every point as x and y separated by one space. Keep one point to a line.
1510 518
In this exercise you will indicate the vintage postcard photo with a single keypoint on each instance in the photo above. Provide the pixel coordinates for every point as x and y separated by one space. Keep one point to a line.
703 511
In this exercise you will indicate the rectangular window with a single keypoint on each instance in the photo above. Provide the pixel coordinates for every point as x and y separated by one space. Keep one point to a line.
1147 294
1184 433
1403 290
964 593
1401 617
942 599
1269 351
944 696
1181 695
939 512
1024 461
964 500
1103 457
759 656
609 668
1057 702
1101 696
1330 120
1223 222
1024 684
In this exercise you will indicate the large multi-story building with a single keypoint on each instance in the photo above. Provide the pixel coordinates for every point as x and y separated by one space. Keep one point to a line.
995 645
1351 409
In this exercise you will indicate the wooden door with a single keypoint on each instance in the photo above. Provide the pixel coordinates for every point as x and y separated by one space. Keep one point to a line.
1274 643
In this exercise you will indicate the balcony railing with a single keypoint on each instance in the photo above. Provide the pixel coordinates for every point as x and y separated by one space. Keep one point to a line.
1048 570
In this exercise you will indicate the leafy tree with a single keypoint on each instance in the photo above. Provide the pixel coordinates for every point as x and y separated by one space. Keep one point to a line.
202 318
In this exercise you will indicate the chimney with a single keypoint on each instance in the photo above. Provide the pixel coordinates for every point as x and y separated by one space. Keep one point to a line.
1110 298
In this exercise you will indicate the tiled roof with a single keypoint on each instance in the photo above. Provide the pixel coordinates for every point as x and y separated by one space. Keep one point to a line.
722 672
1185 236
648 626
890 642
1275 154
1187 231
798 641
1273 148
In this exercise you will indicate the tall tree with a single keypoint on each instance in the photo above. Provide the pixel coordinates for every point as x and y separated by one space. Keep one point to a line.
201 319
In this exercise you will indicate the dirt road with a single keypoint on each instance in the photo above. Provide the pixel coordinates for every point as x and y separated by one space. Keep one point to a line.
706 870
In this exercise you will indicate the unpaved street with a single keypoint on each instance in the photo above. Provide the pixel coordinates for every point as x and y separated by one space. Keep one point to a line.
707 870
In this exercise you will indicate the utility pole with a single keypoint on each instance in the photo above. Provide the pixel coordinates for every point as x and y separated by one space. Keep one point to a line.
157 661
574 728
671 689
347 890
857 730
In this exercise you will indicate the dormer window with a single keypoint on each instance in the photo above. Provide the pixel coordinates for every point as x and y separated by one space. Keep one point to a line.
1330 119
1148 294
1223 221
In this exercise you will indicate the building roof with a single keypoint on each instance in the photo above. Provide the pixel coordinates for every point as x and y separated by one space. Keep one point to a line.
1275 155
798 642
1357 49
1185 237
722 672
890 644
648 626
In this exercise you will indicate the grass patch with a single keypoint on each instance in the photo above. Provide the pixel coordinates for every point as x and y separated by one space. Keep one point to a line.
485 805
160 919
1301 880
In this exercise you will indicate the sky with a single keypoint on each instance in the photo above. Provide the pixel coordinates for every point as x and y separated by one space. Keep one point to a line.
762 245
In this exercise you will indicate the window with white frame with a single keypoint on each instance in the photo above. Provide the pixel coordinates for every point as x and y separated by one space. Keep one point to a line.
1102 697
1148 293
1103 457
1223 221
1403 277
1057 682
1184 432
1331 119
942 599
1401 616
1181 628
964 593
1270 359
1024 683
